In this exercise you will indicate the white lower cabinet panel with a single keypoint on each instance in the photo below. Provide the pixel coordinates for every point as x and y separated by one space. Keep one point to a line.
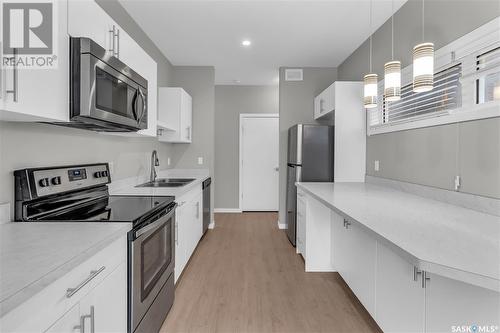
400 300
317 232
68 323
451 303
105 307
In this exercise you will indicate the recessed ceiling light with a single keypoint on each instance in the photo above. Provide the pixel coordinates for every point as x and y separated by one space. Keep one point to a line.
246 42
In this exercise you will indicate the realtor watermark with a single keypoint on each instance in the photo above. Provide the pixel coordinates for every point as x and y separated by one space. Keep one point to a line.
29 38
474 328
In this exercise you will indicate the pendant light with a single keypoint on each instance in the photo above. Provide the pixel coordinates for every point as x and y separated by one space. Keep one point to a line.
423 62
370 80
392 71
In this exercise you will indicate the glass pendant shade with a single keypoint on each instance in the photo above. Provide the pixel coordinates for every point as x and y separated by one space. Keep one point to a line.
423 67
370 91
392 81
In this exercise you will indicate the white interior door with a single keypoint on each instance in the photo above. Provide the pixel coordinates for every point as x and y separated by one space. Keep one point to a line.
259 163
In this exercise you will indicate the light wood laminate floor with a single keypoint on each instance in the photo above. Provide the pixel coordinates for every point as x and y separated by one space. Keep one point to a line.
246 277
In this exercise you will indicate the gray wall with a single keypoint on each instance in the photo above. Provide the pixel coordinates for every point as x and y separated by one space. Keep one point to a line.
296 105
432 156
28 144
230 102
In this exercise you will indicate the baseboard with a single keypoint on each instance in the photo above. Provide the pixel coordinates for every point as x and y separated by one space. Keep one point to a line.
227 210
211 225
281 225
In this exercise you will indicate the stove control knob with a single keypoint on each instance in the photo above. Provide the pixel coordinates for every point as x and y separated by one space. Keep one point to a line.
44 182
104 173
56 180
97 174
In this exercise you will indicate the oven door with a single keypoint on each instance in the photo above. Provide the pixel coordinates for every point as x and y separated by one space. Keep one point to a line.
152 262
110 96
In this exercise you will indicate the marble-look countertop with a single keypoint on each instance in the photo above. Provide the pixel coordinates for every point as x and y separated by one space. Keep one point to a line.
437 237
34 255
127 186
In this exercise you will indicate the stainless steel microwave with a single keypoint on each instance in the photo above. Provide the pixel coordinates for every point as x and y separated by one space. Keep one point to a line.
105 94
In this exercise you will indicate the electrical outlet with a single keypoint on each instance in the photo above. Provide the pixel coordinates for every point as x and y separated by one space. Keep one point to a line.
111 168
168 160
376 165
200 160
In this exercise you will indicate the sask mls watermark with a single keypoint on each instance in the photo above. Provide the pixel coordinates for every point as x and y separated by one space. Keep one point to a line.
28 39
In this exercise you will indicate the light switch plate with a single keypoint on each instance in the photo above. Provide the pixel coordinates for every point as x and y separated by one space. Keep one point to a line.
200 160
376 165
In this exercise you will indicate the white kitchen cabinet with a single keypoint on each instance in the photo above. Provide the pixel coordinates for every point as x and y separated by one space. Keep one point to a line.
339 246
451 303
400 296
189 227
324 103
175 115
39 94
108 34
301 223
68 323
106 304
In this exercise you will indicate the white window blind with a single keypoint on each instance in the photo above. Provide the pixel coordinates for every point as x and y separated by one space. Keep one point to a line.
488 83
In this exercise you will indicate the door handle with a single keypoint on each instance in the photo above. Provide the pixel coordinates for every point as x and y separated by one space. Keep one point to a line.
198 210
15 80
416 273
91 316
118 43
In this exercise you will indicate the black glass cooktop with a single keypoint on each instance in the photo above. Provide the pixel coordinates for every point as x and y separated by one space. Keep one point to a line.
110 209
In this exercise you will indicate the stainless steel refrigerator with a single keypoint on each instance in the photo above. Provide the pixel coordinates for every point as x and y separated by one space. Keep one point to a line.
310 159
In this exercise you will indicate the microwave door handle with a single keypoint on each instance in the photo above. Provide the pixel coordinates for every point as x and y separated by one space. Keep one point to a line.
134 105
143 113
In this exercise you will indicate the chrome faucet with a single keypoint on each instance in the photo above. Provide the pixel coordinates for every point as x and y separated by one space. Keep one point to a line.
154 162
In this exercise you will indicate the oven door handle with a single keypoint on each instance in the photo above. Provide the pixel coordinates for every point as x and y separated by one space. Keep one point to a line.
155 225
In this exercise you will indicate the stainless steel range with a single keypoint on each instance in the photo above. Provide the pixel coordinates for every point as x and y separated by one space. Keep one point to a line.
80 194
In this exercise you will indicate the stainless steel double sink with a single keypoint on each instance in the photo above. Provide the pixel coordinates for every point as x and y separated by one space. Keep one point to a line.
168 182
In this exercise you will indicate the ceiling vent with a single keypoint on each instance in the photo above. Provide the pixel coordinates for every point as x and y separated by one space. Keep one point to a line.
294 74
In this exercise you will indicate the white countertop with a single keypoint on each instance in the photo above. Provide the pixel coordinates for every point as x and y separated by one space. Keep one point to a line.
127 186
33 255
438 237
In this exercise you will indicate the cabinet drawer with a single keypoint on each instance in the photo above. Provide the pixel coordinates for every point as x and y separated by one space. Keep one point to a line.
52 302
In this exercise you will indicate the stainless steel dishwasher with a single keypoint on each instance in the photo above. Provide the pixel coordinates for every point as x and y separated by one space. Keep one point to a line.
206 204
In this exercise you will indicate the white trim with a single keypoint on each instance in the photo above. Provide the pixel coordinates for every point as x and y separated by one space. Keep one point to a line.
211 225
281 226
227 210
240 162
480 111
463 49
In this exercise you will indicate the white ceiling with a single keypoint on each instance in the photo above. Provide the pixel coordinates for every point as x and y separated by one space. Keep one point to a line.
283 33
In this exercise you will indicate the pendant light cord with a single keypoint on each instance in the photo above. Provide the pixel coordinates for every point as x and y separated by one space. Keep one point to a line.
423 20
392 29
371 50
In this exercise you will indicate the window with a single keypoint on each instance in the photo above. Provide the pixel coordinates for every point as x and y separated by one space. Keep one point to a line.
488 84
466 87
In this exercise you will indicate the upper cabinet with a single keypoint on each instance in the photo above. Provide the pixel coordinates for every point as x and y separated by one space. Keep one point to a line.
324 103
175 115
42 94
107 33
38 93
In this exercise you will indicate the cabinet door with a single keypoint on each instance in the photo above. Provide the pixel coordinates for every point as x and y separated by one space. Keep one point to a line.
180 239
42 94
186 117
451 303
340 253
301 223
400 296
361 265
109 303
87 19
68 323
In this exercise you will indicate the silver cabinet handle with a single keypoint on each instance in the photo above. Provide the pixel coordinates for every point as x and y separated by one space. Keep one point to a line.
416 273
176 233
425 278
197 209
118 43
112 34
81 327
321 101
346 224
71 291
15 79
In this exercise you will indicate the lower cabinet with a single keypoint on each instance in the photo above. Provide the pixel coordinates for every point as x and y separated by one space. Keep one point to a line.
105 307
188 227
301 223
70 322
451 303
400 296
